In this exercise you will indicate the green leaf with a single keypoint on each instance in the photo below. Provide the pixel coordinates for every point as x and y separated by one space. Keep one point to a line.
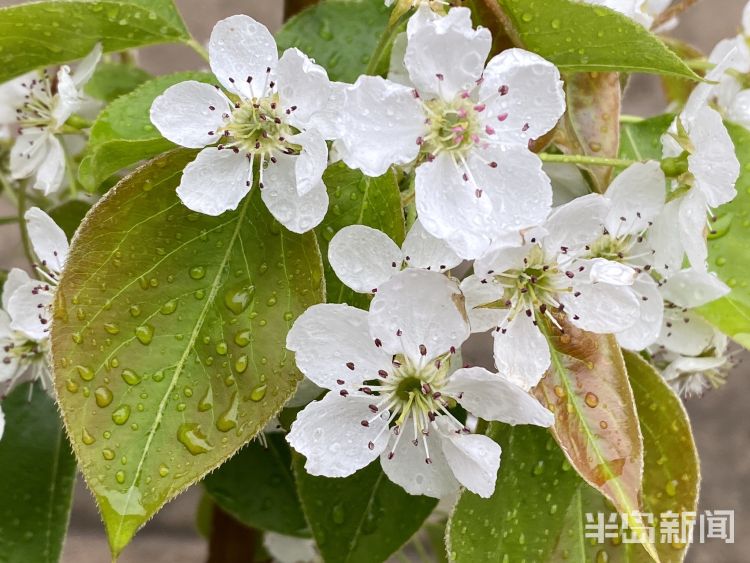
257 487
112 80
37 471
596 424
642 140
45 33
356 199
340 35
729 254
591 124
169 338
538 511
123 134
363 518
580 37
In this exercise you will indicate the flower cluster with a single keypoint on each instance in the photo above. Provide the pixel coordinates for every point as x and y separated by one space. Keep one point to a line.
486 250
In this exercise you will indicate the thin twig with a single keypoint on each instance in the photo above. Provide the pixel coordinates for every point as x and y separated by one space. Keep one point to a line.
672 12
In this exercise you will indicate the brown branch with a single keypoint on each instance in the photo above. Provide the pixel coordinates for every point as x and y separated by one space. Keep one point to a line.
231 541
672 12
292 7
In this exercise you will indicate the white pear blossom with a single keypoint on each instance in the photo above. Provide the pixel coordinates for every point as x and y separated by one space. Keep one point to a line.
40 112
391 387
514 289
637 198
699 141
364 258
290 549
25 319
465 125
691 352
273 122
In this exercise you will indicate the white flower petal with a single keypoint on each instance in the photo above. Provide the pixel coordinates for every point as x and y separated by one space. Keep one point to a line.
85 69
2 422
445 55
607 271
525 96
49 241
600 307
297 213
30 310
521 351
183 113
637 197
215 182
474 460
685 332
332 343
68 99
452 207
646 329
363 258
12 94
419 313
692 288
51 173
241 51
330 434
397 68
493 397
692 222
478 292
16 278
303 85
739 110
667 248
513 209
381 124
714 163
575 224
408 468
29 152
422 250
501 260
312 160
289 549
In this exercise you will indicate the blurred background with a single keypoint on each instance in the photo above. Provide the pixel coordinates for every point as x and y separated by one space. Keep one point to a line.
720 420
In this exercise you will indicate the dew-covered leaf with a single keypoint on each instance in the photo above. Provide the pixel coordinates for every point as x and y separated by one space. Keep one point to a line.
257 487
37 34
728 251
357 199
123 134
169 338
591 124
596 424
642 140
580 37
363 518
37 472
539 509
340 35
112 80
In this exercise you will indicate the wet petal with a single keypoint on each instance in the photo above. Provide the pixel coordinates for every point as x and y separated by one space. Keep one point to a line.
51 173
30 310
693 220
479 291
646 329
363 258
29 152
419 313
16 278
332 343
184 115
280 193
49 241
330 434
381 124
523 94
692 288
242 52
685 332
216 181
422 250
474 460
521 351
573 225
600 307
312 161
491 396
637 197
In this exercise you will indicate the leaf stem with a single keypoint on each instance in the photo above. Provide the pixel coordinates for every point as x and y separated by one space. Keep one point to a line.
386 40
584 159
624 118
198 48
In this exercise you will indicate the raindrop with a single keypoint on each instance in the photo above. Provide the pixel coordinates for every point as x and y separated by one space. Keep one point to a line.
169 307
197 272
130 377
87 438
242 338
192 437
111 328
121 415
207 401
228 419
591 400
145 333
103 396
238 299
108 454
258 393
86 373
